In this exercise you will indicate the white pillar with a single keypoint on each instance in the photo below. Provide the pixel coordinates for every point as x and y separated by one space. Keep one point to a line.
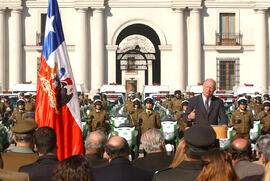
2 49
111 63
260 49
97 62
195 63
15 50
179 50
82 47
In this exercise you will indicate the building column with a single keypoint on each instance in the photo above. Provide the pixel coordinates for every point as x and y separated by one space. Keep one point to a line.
97 46
179 50
195 62
82 48
15 50
261 49
111 63
2 49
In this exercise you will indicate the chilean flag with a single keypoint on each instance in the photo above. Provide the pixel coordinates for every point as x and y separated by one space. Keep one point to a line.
57 104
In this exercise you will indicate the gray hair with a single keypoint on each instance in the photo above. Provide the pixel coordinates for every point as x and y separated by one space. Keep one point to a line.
95 141
152 140
261 143
266 152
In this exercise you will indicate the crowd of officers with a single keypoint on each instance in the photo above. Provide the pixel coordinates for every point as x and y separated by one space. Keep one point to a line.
245 111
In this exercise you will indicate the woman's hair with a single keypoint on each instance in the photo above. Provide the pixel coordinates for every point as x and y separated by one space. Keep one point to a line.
75 168
179 155
266 176
217 165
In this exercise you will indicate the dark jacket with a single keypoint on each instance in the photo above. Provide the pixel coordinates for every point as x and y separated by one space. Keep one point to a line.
216 115
120 169
42 169
186 170
96 161
153 161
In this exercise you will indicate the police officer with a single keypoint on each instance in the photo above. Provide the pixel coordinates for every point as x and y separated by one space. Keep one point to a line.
129 102
105 102
264 117
168 102
19 112
134 114
95 97
149 118
266 97
2 108
97 118
29 106
250 104
179 117
258 107
8 105
241 119
177 101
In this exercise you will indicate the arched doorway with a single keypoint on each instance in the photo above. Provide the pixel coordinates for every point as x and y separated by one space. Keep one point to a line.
138 56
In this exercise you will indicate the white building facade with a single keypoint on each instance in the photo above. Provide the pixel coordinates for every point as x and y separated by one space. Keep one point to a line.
177 43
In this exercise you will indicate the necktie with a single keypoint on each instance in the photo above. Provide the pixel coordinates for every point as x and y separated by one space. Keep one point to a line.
207 105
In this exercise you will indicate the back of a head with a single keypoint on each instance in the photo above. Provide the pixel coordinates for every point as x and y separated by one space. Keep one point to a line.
95 141
152 140
199 139
45 140
240 149
217 166
261 143
266 153
117 147
73 168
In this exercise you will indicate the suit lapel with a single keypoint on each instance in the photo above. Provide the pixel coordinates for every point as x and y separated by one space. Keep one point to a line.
212 105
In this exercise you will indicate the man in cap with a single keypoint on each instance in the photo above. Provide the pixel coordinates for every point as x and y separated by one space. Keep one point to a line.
206 108
19 112
105 102
258 107
199 139
29 106
97 117
149 118
242 120
136 110
179 117
129 103
168 102
264 117
45 143
266 97
2 108
22 153
177 101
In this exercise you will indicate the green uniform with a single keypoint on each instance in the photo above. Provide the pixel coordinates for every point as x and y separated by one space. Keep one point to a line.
177 104
2 109
97 120
264 117
242 123
128 106
134 115
258 107
167 104
150 119
18 115
29 107
179 118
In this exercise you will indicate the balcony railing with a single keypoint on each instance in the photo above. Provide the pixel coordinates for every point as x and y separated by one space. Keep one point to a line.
229 39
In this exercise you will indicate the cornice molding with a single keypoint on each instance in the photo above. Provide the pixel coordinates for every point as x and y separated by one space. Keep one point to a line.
139 4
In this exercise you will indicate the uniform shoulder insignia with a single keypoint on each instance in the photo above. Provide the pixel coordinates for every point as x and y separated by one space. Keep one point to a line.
162 170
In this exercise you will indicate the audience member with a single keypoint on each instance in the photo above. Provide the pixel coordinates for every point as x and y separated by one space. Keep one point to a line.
156 156
261 148
94 149
179 155
45 143
73 168
119 168
22 153
217 165
199 139
241 154
266 176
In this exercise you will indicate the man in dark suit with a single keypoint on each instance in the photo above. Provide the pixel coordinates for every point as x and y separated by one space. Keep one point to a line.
206 108
156 157
120 168
45 143
94 149
199 139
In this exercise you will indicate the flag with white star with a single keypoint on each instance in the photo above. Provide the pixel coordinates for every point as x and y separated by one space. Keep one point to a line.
57 104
